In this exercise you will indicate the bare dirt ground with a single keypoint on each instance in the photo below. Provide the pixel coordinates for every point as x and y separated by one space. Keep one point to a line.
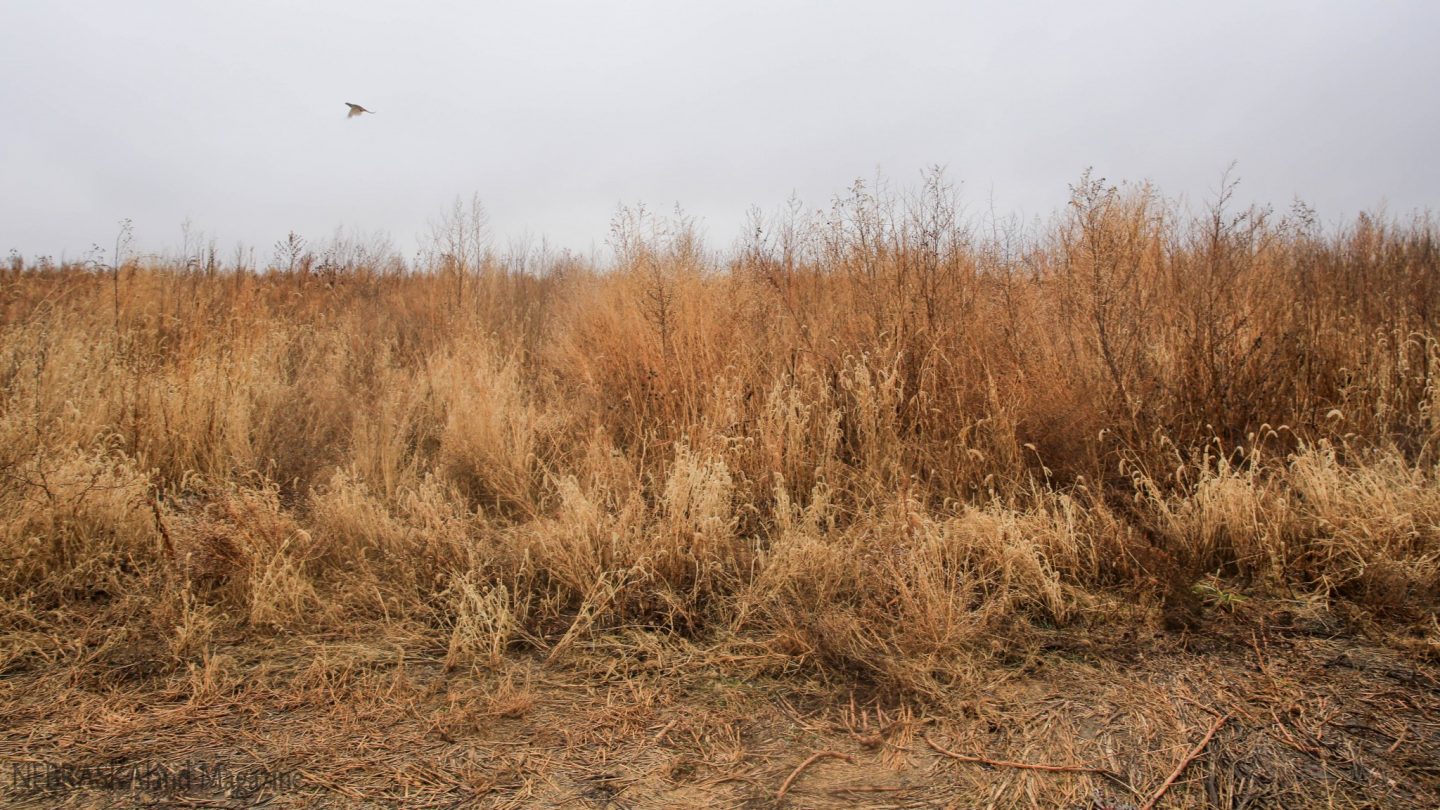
1306 710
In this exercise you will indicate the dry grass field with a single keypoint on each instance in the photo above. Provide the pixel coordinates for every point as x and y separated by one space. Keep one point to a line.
1143 495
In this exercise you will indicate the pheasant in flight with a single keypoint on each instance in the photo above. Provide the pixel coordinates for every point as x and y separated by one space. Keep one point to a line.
356 109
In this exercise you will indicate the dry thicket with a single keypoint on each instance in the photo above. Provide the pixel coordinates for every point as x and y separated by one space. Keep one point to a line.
869 441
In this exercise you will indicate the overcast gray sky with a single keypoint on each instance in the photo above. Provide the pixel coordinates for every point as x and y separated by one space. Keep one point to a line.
232 116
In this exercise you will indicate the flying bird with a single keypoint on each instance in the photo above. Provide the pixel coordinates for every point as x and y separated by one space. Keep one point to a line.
356 109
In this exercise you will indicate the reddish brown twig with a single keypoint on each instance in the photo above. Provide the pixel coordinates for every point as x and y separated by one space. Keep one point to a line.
1184 763
795 774
1029 766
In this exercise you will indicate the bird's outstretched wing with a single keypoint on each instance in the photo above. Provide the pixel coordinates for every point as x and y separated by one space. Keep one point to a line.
356 109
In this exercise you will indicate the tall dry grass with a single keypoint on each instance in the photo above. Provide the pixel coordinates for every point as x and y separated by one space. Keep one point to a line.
868 440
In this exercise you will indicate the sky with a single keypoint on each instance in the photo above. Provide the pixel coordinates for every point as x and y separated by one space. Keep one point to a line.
232 117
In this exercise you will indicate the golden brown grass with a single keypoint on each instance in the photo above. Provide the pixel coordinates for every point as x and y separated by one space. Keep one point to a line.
871 446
